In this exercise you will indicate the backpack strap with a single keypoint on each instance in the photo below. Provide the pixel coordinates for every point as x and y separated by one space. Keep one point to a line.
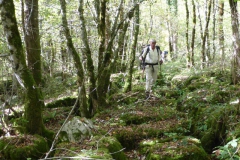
143 58
159 51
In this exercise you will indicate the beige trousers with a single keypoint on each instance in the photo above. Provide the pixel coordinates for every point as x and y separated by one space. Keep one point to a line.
151 76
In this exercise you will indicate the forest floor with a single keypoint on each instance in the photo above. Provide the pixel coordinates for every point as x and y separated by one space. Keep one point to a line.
189 115
173 123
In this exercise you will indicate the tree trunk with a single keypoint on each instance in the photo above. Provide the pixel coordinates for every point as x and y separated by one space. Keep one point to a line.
221 33
128 82
83 108
236 43
204 34
214 32
193 33
34 99
93 104
104 69
32 39
172 29
101 9
187 36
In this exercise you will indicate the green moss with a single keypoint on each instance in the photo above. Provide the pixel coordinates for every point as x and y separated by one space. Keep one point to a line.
131 118
129 138
114 147
75 150
181 149
101 148
25 147
49 135
67 101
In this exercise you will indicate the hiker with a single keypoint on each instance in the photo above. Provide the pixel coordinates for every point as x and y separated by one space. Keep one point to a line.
151 58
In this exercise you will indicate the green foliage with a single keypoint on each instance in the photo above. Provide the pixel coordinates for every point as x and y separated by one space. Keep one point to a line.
229 151
49 115
19 124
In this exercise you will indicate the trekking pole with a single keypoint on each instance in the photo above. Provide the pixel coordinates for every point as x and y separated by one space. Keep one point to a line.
143 73
160 70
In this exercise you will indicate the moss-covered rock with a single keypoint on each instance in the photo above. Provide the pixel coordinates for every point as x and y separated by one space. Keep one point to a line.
99 147
23 147
68 150
179 149
114 147
66 101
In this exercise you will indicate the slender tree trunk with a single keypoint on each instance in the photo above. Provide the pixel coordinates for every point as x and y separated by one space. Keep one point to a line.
128 82
207 49
93 104
172 29
83 108
193 33
34 99
204 34
236 43
64 55
52 57
119 51
187 36
105 70
214 32
32 39
101 9
221 33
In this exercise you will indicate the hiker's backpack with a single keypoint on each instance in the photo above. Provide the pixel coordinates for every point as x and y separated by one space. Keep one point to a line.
142 63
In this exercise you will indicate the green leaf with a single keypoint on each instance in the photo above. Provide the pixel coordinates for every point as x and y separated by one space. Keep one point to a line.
233 143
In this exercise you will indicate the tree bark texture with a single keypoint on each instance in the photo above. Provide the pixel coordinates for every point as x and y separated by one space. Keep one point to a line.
32 39
187 35
101 9
128 82
172 29
93 105
214 8
193 33
204 34
221 33
105 70
83 107
236 42
34 100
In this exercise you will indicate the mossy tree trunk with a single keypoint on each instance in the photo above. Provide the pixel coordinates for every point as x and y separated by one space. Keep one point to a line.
236 42
221 32
93 104
101 14
105 70
34 99
83 107
193 33
32 39
105 54
128 82
204 35
187 35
